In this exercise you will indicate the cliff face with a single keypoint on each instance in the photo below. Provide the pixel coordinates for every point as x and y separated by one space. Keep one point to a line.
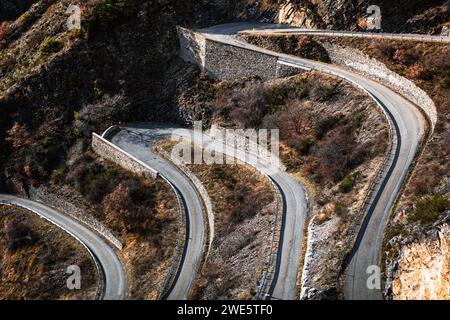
397 16
423 271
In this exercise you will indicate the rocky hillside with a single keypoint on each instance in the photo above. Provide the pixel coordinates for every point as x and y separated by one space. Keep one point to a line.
424 269
12 9
59 86
332 139
411 248
123 64
418 16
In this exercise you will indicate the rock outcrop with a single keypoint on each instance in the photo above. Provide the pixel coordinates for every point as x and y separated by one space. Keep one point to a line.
397 16
424 269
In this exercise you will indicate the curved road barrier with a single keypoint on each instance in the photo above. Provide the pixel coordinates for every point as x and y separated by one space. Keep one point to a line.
111 272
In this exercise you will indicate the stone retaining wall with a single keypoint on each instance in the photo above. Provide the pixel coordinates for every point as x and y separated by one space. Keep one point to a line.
226 62
192 46
111 152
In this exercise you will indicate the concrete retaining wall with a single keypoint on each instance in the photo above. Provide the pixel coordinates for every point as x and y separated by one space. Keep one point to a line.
111 152
228 62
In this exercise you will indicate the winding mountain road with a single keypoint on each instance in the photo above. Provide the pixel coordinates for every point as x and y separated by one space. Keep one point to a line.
112 272
331 33
409 125
137 140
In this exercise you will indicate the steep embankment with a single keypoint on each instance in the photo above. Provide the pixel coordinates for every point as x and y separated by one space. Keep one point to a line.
35 256
61 86
58 86
11 9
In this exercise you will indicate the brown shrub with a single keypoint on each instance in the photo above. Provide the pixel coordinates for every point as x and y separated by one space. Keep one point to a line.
334 155
4 30
424 182
405 56
18 136
383 49
244 107
362 23
297 120
417 71
446 140
17 234
131 205
322 91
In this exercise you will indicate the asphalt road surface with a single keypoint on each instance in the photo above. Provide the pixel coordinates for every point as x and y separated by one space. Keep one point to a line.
115 282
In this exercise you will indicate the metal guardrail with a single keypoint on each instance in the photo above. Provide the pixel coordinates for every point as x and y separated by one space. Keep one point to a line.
269 266
175 264
110 132
375 182
379 175
171 273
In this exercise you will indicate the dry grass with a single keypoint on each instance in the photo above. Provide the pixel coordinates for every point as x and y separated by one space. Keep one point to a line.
34 267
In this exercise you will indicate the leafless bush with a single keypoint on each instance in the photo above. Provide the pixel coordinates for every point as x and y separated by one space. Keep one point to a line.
17 234
297 119
244 107
4 30
108 110
383 49
417 71
321 91
405 56
426 180
131 205
334 155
